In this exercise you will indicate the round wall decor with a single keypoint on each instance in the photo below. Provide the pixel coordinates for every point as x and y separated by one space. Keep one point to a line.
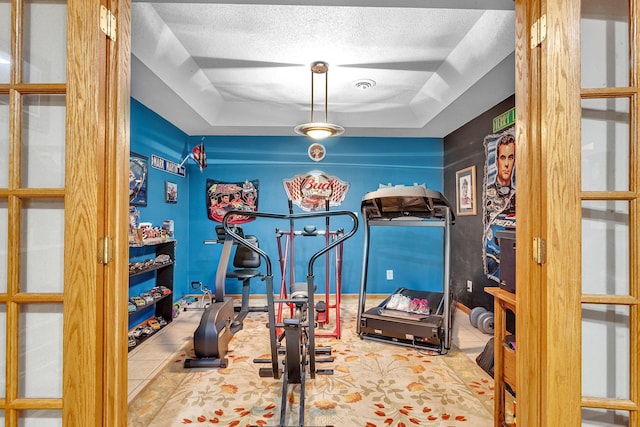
316 152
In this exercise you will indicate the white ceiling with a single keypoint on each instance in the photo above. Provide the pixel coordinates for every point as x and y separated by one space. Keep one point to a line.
243 67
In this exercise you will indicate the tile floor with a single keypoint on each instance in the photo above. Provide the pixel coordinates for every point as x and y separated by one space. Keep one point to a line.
149 358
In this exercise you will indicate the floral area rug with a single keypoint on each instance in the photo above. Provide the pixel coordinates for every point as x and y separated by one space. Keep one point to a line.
374 384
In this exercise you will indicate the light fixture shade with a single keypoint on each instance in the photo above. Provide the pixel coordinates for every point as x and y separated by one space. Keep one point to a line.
313 129
317 130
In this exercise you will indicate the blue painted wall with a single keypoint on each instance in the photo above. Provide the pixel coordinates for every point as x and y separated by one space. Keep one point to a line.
151 134
414 254
362 162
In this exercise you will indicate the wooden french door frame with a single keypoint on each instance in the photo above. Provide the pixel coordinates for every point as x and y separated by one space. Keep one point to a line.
116 199
549 225
528 297
95 352
95 318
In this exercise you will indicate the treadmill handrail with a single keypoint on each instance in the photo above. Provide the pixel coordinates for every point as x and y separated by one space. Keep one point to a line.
290 217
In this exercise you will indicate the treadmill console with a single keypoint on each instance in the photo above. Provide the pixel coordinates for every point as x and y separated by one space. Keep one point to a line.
401 201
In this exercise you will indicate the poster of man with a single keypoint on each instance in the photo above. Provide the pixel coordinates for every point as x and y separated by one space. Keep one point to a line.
499 196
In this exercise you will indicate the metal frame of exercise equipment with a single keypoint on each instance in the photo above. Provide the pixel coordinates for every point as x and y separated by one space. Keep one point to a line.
287 261
298 331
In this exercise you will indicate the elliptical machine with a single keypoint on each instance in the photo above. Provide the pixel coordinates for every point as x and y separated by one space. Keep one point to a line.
219 323
299 351
330 306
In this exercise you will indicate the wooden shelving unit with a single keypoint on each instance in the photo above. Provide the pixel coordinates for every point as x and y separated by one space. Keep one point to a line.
504 363
163 273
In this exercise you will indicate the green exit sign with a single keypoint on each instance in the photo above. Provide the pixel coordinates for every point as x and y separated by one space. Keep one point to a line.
504 120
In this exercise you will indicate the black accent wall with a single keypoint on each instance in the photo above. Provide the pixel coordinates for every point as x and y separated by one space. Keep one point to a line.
463 148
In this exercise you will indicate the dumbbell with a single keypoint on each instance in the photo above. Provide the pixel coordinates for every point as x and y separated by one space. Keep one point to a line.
482 319
474 314
485 322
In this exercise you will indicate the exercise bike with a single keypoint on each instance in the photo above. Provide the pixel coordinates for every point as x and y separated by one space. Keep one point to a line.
298 332
219 323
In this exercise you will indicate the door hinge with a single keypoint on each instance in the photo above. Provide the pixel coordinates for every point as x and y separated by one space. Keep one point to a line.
539 250
108 23
538 31
105 250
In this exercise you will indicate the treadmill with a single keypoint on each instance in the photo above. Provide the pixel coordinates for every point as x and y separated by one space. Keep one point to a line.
407 206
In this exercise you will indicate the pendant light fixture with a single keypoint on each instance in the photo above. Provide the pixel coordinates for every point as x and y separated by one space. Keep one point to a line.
313 129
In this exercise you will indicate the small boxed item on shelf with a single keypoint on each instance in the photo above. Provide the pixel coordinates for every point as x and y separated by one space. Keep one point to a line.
167 224
151 235
135 237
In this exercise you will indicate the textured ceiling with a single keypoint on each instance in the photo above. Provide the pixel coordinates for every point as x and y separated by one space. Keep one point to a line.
243 68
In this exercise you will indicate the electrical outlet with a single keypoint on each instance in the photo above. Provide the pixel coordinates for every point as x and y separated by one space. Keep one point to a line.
469 286
389 274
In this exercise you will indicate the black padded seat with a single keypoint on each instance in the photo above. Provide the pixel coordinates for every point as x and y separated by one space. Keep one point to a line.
246 263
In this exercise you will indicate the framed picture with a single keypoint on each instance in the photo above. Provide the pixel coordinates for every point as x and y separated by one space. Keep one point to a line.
138 179
170 192
316 152
466 191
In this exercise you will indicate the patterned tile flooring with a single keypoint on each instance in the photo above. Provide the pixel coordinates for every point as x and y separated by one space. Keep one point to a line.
151 356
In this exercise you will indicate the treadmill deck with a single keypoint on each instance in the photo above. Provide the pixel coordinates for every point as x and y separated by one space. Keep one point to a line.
406 328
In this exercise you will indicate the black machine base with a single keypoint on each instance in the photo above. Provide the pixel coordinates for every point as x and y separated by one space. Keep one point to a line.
406 328
206 362
211 338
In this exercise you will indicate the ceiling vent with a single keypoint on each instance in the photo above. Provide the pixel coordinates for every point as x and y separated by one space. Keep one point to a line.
364 84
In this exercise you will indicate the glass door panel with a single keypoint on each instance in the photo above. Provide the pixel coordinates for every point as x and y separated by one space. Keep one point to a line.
4 139
4 250
45 41
605 43
605 248
5 41
40 418
605 351
43 234
3 350
40 373
43 134
605 144
603 417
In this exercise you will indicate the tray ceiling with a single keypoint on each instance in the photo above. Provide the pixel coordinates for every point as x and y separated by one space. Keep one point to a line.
401 68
